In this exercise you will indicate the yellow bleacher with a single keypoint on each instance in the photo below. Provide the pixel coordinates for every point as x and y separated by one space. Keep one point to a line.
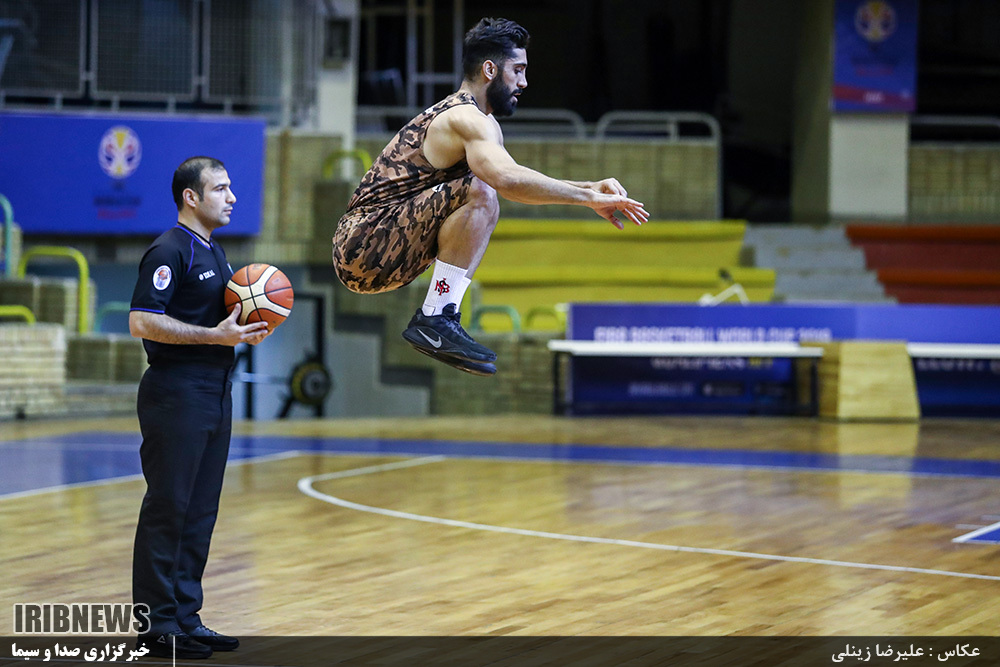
535 265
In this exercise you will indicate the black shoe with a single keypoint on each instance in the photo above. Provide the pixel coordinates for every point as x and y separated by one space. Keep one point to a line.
173 644
213 639
484 369
443 335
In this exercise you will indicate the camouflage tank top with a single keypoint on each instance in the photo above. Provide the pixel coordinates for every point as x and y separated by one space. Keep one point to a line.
401 170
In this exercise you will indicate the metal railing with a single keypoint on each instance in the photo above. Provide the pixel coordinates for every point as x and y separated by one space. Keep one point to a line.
671 126
631 124
641 124
110 308
334 158
83 269
8 236
259 55
547 122
956 121
20 312
646 123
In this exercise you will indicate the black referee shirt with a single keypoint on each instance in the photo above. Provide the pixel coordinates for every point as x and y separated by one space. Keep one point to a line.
184 276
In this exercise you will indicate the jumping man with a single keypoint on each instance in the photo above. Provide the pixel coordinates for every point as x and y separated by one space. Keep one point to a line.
431 196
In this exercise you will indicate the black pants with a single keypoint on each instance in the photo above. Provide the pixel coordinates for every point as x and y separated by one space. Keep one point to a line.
185 415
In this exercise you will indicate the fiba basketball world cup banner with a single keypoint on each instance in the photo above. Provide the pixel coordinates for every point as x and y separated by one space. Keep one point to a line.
111 174
875 55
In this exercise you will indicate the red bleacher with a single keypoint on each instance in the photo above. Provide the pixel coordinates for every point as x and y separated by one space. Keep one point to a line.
933 263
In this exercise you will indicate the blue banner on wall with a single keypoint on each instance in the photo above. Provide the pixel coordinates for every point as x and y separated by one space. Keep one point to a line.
684 385
653 323
875 55
111 174
725 384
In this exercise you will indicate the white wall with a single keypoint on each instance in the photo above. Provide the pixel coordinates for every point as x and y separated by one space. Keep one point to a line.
868 166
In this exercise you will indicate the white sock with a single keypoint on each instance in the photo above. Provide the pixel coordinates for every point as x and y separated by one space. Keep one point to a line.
448 285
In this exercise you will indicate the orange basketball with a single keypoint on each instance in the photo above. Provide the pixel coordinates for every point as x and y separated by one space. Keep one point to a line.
265 292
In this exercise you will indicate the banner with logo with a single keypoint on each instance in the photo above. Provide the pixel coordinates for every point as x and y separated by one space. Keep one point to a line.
760 323
111 174
875 55
945 386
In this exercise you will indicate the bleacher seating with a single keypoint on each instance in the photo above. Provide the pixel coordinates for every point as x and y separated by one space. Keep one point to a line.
933 263
534 265
812 263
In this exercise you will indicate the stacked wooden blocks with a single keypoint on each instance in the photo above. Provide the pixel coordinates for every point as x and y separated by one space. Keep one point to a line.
52 300
522 385
105 358
33 373
867 380
954 182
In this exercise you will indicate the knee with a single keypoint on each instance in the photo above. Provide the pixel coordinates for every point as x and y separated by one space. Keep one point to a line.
484 199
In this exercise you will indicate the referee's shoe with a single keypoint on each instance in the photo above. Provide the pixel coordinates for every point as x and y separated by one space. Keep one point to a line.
213 639
442 336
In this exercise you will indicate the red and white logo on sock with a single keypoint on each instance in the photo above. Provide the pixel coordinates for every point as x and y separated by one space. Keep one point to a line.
442 287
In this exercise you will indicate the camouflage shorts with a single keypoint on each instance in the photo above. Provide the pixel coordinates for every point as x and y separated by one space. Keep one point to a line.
382 249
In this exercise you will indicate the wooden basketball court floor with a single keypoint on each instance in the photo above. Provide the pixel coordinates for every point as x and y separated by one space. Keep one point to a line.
535 525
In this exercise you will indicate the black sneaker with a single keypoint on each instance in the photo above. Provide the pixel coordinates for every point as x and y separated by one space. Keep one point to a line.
483 369
443 335
173 644
213 639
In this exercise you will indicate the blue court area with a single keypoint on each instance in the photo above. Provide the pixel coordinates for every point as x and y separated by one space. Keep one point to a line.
34 464
985 537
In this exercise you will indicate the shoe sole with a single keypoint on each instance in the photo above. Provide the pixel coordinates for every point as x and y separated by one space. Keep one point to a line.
422 345
471 367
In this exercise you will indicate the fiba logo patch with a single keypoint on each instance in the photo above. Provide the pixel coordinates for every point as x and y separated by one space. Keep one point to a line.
875 21
119 152
161 277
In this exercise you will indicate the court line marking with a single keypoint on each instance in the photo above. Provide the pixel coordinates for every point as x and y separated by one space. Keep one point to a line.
132 478
305 485
976 533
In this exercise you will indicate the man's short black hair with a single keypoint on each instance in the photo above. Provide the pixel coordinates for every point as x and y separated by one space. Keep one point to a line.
491 39
188 175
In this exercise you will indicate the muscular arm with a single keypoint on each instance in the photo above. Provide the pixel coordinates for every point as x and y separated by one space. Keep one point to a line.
481 139
491 162
165 329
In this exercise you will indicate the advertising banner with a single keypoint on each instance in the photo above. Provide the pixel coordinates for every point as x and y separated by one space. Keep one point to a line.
749 386
875 56
684 385
111 174
656 322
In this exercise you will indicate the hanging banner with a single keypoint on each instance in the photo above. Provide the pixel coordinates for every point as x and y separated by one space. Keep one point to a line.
875 55
111 174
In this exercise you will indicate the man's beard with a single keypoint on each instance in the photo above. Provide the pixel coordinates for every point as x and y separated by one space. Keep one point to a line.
500 98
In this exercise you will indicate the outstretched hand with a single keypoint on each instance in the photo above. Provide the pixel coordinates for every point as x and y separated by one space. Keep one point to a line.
609 186
613 199
231 333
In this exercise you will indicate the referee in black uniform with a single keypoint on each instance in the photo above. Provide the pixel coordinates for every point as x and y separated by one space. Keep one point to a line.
185 409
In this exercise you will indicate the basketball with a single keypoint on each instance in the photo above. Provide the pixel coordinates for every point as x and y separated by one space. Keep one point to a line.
264 291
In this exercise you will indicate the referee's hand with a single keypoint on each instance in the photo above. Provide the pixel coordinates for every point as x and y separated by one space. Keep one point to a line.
232 334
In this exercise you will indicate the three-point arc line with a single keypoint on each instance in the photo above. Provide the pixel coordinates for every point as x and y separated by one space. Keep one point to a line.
305 485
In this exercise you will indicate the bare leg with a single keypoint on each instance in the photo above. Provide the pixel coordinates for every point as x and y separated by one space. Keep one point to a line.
464 235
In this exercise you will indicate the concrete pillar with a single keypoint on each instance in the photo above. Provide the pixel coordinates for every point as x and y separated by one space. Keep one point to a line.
845 166
868 166
337 77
